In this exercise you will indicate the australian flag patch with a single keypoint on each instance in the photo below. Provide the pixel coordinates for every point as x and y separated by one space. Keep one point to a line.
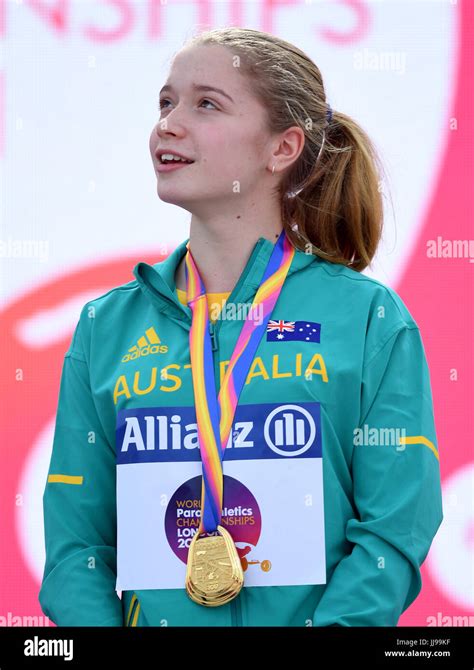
306 331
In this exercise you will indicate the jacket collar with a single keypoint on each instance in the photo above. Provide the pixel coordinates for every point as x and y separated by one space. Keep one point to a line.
157 281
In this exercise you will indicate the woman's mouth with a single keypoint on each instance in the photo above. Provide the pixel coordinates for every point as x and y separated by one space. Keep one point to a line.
169 167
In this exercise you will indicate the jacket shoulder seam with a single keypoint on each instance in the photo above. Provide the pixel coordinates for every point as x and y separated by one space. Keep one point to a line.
394 331
76 355
360 277
125 287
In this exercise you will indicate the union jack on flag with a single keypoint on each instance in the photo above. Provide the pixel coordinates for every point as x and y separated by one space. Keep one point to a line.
305 331
281 326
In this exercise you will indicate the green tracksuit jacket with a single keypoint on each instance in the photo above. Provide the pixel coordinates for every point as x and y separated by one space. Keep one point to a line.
362 374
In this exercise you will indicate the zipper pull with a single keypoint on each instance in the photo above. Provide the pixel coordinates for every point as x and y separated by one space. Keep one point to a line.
213 336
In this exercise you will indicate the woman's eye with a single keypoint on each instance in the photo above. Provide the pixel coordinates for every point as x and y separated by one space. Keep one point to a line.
206 100
164 100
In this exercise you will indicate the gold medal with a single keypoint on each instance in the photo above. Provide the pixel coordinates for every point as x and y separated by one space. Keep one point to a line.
214 574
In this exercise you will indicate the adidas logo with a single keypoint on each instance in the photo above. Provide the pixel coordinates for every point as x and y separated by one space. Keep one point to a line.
149 343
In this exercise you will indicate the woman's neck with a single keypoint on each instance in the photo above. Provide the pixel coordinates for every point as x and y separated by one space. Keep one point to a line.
221 256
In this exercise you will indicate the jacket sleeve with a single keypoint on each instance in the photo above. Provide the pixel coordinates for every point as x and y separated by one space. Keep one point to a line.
78 585
396 487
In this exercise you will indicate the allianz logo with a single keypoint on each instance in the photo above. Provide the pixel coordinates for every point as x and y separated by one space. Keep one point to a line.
149 343
288 430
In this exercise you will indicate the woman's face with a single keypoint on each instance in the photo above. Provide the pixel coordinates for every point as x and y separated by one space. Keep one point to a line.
224 135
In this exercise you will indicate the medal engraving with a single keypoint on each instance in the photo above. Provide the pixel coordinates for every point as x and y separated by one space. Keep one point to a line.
214 574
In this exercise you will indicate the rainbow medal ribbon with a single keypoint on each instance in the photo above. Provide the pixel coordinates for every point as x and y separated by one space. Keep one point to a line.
214 574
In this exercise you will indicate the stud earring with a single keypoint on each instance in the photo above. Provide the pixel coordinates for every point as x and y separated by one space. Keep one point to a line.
273 169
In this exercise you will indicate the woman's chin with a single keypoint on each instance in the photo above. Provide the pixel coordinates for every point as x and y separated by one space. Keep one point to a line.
170 195
173 198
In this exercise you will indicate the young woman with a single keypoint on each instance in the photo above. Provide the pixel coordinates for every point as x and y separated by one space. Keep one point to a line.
245 432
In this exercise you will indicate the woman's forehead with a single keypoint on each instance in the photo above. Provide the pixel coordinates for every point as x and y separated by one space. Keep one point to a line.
205 60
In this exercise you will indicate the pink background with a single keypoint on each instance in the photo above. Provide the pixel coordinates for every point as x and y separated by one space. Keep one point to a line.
437 291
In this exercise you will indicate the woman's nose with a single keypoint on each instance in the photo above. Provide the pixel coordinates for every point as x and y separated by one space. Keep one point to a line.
173 122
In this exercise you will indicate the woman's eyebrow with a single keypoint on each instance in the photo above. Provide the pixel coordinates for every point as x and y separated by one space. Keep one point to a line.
199 87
